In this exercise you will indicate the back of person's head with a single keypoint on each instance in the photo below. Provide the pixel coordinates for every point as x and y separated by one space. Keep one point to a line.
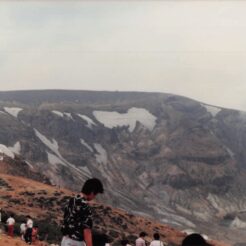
194 239
93 185
124 242
156 236
28 217
12 215
142 234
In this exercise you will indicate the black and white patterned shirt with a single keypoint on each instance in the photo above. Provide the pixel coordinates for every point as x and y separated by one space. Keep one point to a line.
77 217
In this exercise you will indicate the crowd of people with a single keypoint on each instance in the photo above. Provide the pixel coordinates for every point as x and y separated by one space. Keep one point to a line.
77 224
28 232
194 239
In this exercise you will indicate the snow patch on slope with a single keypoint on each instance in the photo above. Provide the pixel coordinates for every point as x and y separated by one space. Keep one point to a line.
52 145
65 114
29 164
58 159
13 111
86 145
57 113
10 151
16 148
5 150
114 119
69 115
230 152
237 223
54 160
89 121
211 109
102 156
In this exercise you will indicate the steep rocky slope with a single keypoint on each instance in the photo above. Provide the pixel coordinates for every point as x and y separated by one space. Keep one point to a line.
172 158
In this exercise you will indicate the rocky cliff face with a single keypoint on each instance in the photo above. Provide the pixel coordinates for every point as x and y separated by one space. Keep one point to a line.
160 155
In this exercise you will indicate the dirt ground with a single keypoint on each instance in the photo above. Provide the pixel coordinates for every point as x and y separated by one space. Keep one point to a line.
16 241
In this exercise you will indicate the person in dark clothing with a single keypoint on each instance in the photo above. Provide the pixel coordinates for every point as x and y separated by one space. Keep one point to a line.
77 222
100 239
29 226
124 242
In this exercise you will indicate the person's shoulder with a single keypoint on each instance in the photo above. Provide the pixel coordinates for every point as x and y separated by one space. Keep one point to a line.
78 199
139 239
155 242
83 203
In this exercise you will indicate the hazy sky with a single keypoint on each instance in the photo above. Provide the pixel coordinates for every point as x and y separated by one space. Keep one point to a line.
191 48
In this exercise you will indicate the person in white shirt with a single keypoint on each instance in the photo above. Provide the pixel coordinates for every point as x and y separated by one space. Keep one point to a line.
29 226
11 222
156 241
140 241
22 231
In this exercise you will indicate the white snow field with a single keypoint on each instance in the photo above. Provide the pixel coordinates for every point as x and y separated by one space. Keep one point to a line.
114 119
13 111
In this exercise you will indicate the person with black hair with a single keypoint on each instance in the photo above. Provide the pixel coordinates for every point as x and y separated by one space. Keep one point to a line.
29 226
140 241
156 241
35 235
77 223
194 239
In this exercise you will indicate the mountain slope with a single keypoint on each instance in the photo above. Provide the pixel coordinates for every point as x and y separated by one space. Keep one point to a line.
169 157
43 202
